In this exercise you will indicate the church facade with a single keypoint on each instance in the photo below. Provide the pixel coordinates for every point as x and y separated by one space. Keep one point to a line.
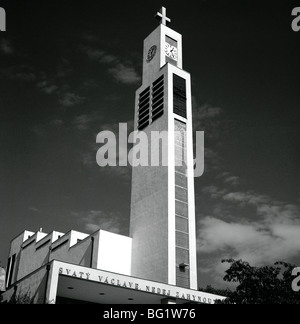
73 268
157 263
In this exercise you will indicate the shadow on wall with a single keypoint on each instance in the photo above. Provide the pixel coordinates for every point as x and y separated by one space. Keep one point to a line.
31 290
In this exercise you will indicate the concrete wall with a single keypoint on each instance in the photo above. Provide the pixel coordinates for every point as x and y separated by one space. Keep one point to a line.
107 251
33 250
15 249
157 38
76 237
35 255
31 289
75 253
190 173
149 207
114 253
32 259
152 224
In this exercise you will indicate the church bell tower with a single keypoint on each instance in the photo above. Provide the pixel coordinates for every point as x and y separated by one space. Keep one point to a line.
162 223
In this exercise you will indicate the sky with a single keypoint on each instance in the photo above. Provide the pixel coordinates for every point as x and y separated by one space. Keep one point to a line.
69 70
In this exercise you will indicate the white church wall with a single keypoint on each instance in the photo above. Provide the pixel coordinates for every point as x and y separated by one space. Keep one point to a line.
75 237
114 254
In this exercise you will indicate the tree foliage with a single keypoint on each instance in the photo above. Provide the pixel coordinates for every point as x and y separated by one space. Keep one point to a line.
221 292
261 285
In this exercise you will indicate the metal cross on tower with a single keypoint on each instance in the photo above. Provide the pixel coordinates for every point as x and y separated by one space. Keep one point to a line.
162 15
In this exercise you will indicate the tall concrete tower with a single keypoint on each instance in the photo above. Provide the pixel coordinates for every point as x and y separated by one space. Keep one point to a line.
163 224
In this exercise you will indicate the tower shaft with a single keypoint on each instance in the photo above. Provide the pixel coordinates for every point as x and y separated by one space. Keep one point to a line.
163 201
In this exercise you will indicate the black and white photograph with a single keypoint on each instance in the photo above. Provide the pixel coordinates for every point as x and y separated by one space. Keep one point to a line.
149 154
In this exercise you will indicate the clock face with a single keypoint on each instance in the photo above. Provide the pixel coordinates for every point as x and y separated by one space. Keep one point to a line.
171 51
151 53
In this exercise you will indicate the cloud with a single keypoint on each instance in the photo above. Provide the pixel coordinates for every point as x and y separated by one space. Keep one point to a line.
34 209
233 180
82 122
243 198
229 178
274 236
217 235
20 72
99 55
6 47
25 76
38 130
96 220
208 119
56 123
113 97
90 84
108 58
64 68
207 111
46 87
94 54
88 159
205 118
53 84
90 38
259 243
213 161
239 197
213 191
70 99
264 205
125 74
122 72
